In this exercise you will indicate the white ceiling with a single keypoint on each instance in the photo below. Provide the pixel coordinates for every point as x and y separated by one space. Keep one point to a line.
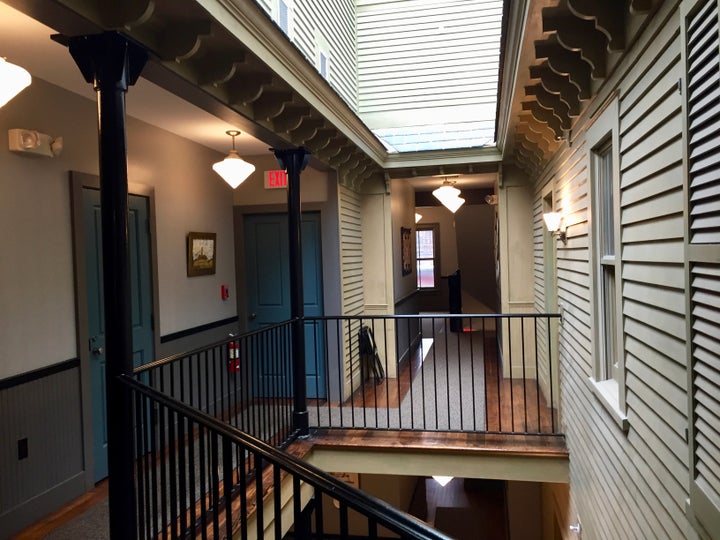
26 42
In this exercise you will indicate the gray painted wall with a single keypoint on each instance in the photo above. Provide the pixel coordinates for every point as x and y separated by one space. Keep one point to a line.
39 324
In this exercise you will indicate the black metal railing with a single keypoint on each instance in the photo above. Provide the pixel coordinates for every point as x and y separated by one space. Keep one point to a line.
244 381
478 373
197 476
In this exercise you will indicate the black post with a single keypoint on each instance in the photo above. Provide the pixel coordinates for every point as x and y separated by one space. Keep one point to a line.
294 161
111 63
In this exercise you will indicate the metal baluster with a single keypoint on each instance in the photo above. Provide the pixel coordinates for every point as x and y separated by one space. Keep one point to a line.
227 484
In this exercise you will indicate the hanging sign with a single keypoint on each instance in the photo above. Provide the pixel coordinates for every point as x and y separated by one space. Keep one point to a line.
276 179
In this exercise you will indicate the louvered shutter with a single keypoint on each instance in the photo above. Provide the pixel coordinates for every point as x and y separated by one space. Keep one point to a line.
705 287
703 83
702 31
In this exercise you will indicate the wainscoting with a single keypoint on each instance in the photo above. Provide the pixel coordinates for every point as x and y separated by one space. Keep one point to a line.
41 446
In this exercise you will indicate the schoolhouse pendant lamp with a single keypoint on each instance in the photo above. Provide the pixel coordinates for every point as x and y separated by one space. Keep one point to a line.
449 196
13 80
233 169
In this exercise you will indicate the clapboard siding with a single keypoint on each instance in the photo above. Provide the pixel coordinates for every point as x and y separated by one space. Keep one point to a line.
334 21
634 484
397 73
351 269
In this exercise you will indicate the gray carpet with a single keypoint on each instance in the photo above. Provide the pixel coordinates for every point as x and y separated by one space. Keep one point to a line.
447 392
93 523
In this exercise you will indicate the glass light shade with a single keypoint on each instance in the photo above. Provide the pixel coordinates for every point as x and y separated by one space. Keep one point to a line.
418 217
445 193
13 79
552 221
233 169
454 204
443 480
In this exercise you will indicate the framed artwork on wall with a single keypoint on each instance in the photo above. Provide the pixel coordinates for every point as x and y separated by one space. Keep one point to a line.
200 254
405 250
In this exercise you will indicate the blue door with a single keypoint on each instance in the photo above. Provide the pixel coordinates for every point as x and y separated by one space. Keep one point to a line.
141 286
267 264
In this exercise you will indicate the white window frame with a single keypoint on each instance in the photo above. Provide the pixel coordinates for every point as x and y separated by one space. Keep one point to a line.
323 50
435 228
290 6
608 378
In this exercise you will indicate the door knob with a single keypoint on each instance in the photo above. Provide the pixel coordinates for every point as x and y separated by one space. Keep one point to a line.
253 316
98 350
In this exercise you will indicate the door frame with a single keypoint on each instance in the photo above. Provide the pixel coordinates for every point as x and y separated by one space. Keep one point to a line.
78 182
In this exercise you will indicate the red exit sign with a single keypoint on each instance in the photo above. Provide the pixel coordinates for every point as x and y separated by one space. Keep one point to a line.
275 179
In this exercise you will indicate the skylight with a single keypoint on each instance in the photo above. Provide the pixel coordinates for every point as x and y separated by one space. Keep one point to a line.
428 72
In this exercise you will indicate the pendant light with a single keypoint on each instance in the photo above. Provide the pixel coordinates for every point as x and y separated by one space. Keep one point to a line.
233 169
449 196
13 79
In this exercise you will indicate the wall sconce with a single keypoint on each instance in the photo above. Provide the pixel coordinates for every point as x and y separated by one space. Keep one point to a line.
449 196
233 169
553 222
13 80
418 217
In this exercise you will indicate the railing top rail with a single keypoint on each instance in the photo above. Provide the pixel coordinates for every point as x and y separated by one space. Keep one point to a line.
385 514
170 359
437 316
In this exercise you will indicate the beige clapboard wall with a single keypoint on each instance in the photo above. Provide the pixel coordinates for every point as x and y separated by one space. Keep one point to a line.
630 484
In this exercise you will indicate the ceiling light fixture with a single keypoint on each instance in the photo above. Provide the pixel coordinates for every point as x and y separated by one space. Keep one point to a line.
449 196
13 80
233 169
443 480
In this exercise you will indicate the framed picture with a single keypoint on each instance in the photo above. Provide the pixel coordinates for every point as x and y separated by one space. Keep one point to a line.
200 254
406 251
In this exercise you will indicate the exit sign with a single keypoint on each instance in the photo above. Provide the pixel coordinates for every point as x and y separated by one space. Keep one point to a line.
275 179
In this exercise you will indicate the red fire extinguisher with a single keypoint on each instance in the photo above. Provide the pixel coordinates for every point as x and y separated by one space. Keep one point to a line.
234 356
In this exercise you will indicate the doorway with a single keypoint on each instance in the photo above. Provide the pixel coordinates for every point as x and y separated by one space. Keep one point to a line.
141 307
267 264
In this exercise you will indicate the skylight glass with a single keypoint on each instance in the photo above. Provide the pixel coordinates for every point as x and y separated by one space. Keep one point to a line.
428 72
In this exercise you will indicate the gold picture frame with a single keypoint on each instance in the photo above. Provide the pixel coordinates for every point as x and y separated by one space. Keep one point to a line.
201 254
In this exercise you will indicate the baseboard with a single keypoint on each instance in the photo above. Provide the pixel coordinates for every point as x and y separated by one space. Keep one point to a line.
39 506
414 345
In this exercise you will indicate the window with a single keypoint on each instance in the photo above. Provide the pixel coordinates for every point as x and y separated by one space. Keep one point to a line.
427 256
323 56
608 380
605 222
283 16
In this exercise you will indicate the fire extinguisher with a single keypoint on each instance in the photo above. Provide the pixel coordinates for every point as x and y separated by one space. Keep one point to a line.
234 356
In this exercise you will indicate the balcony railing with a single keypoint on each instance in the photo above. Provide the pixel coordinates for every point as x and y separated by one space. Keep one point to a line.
244 381
478 373
208 423
197 476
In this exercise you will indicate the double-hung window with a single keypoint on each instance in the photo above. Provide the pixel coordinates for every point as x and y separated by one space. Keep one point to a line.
427 256
608 380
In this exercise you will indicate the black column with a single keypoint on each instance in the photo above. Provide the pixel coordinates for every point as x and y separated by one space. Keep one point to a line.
111 63
294 161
